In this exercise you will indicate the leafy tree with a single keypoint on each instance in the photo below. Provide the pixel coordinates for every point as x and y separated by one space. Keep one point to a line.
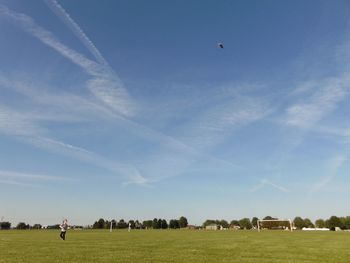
245 223
177 223
22 225
5 225
223 223
37 226
132 224
255 222
57 226
308 223
155 223
269 218
164 224
147 223
122 224
183 222
345 222
320 223
334 222
159 223
299 222
234 223
138 225
171 223
100 224
174 223
114 223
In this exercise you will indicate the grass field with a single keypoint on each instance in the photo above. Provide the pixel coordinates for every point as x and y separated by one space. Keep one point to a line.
173 246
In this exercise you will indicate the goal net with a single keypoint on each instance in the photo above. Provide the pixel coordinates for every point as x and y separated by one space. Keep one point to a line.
275 224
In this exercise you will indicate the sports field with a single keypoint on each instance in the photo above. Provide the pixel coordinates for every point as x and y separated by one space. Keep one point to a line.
174 246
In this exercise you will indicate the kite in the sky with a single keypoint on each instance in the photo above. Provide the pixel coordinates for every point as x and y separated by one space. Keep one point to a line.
220 45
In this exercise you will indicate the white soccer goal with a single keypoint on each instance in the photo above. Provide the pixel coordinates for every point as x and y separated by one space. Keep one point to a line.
282 224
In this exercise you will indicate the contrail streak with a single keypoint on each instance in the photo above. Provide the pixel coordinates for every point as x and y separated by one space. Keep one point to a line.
265 182
12 174
61 13
105 85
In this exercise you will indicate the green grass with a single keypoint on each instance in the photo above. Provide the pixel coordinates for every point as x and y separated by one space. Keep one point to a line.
173 246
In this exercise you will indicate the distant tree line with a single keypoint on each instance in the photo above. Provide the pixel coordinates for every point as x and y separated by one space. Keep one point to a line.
20 225
331 223
156 223
298 222
244 223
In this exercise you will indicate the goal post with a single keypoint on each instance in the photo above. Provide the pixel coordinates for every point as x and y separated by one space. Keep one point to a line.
281 224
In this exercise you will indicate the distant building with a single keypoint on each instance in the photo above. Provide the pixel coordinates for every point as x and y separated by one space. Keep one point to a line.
235 227
314 229
212 227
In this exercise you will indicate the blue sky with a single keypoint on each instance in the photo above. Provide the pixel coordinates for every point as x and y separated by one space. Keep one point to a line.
127 109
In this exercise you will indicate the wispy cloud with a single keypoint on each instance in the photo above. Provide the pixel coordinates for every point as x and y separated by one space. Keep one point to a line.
334 164
339 133
263 183
140 180
30 176
213 125
15 123
312 103
123 170
13 182
25 127
30 128
54 106
105 84
311 110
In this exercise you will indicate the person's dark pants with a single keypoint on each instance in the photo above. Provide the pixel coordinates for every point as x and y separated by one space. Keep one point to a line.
63 235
